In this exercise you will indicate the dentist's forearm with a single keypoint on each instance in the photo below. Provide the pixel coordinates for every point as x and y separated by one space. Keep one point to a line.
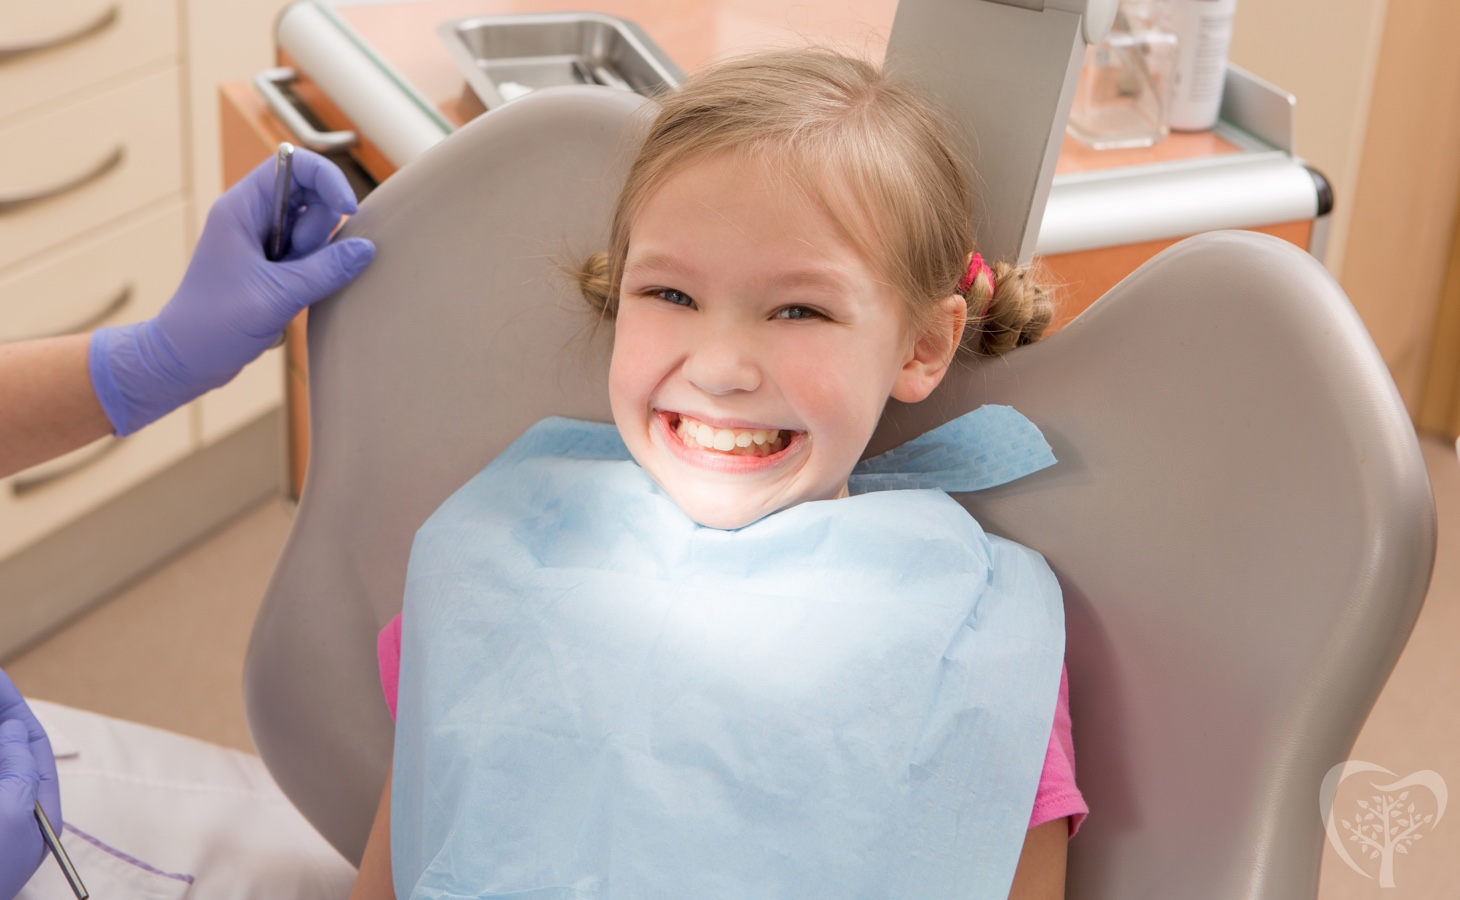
47 404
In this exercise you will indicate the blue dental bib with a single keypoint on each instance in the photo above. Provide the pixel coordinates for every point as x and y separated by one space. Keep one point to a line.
600 698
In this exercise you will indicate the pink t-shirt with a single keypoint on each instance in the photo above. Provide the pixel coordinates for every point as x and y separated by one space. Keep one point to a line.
1056 798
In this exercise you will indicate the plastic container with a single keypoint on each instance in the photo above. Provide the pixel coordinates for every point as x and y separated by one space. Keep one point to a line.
1204 32
1125 85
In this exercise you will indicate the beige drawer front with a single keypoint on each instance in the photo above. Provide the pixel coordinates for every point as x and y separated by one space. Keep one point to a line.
87 163
41 500
145 255
123 274
85 43
256 391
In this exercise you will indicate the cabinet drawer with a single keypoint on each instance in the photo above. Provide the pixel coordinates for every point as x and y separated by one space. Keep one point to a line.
51 50
42 499
72 168
257 390
123 274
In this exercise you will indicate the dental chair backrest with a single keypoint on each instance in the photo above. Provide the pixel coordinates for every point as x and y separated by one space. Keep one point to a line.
1240 518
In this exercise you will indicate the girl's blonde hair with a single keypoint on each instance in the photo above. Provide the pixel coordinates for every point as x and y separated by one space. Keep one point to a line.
876 155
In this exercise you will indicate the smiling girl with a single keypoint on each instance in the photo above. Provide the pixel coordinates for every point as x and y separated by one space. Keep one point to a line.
705 652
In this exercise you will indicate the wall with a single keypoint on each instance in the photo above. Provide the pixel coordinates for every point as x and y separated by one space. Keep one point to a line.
1378 87
1406 202
1326 52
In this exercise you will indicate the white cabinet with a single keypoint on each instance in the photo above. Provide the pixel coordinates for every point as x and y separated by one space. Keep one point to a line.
106 126
119 275
114 276
80 44
227 40
88 163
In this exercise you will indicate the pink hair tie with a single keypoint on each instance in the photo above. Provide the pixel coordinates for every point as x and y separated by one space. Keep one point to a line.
976 265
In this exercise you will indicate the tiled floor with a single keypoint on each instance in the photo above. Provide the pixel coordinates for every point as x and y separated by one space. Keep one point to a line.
141 656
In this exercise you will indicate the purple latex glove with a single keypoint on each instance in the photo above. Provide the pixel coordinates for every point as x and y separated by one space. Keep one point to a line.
232 303
27 773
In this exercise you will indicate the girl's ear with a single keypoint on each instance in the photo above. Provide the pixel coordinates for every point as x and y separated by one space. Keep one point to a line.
933 352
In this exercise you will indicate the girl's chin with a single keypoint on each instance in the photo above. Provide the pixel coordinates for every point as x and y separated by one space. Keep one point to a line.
721 515
728 506
726 491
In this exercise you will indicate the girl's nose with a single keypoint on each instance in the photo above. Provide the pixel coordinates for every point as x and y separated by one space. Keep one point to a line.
722 365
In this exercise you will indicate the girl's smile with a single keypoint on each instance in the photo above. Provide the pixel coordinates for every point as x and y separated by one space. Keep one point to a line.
727 446
754 346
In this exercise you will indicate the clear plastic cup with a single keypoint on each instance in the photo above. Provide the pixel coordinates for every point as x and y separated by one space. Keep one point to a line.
1124 93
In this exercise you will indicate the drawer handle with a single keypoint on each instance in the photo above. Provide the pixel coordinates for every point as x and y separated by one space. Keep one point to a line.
22 485
18 202
102 22
109 309
267 82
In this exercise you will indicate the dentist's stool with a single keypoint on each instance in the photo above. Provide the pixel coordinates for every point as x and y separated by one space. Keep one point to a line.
1240 518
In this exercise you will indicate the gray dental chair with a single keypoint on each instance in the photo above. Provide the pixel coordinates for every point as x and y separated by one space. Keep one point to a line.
1240 518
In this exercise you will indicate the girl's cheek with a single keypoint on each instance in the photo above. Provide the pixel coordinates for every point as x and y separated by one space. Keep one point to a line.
636 338
824 374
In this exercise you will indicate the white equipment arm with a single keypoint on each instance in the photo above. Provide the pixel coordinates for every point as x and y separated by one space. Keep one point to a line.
1006 69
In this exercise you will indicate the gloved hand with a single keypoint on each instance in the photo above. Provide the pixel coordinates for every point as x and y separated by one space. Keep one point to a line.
232 303
27 772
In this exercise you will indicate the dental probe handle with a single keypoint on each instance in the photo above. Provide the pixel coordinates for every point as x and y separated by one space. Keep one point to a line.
276 243
53 842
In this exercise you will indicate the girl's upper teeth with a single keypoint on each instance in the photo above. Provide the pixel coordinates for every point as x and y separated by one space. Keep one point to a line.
725 439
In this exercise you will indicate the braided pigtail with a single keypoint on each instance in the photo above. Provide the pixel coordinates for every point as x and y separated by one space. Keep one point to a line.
1006 311
595 280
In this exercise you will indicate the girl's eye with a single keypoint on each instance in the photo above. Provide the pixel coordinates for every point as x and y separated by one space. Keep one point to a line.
798 312
678 298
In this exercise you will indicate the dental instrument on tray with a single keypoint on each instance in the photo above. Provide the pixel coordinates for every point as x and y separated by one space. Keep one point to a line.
53 843
276 242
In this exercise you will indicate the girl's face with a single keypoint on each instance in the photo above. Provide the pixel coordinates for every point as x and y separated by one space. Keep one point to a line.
754 347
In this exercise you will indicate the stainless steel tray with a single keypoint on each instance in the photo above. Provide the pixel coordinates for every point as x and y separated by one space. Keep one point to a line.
506 57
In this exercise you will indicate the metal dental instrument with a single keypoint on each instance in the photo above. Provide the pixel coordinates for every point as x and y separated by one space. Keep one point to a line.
276 242
53 842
